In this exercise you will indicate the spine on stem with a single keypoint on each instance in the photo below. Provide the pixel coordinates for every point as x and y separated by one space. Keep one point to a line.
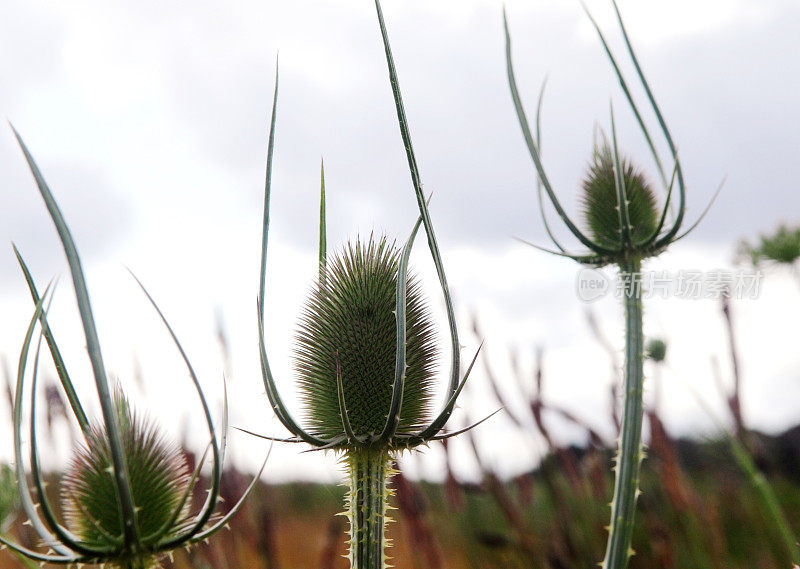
366 507
630 454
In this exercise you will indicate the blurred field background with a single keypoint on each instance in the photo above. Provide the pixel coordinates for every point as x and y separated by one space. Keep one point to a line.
698 509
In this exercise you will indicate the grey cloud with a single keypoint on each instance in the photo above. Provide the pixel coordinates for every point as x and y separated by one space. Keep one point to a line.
727 95
28 33
99 217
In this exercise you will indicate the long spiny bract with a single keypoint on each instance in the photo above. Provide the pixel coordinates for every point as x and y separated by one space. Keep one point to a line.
126 478
624 228
366 352
350 323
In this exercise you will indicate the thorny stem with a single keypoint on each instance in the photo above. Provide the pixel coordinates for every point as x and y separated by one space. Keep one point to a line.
626 483
366 508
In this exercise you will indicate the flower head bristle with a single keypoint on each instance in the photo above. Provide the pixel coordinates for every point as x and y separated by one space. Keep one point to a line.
600 200
158 476
349 322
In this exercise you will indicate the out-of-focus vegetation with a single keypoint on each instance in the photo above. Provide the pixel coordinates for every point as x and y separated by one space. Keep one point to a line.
697 510
699 507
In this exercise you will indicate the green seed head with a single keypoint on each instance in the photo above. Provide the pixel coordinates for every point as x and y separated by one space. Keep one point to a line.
158 479
782 247
350 318
600 201
656 350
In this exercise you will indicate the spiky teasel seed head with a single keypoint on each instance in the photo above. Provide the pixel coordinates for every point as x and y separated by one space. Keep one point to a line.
348 327
656 350
601 204
159 480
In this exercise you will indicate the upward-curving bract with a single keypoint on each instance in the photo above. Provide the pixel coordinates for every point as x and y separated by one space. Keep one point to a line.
623 227
388 435
365 353
127 493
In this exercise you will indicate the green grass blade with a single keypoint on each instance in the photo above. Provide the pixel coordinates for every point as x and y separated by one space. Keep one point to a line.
766 494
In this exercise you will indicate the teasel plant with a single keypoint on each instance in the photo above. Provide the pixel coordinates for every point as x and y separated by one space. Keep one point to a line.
127 491
623 227
365 355
781 248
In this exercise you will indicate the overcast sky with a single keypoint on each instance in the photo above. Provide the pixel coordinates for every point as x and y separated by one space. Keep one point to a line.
149 121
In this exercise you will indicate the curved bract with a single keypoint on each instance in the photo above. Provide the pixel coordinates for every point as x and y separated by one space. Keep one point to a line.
392 431
624 228
127 493
365 354
631 231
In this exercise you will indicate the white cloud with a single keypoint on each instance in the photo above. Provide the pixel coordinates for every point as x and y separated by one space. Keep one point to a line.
150 122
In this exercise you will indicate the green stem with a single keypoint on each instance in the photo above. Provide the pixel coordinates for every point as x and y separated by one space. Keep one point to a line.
368 471
626 483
